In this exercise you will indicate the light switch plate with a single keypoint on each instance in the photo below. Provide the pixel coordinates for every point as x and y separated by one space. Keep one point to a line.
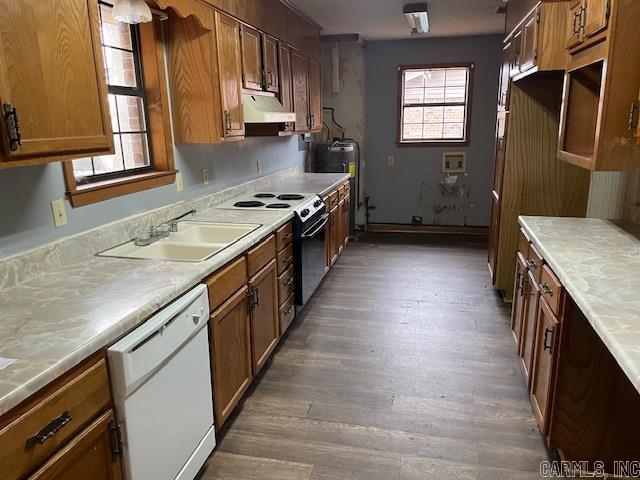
179 182
258 167
454 162
391 161
205 176
59 213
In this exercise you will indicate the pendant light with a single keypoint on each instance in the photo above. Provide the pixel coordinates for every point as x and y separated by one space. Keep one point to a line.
131 11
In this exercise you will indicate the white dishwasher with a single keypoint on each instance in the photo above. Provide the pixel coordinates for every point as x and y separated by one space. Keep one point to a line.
161 380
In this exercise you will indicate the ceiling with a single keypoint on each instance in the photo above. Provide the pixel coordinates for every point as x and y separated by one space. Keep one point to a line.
383 19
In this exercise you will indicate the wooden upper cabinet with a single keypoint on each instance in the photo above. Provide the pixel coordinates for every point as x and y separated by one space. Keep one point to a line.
574 32
87 455
505 76
300 82
270 58
315 94
251 58
52 74
516 11
286 81
230 74
596 16
529 49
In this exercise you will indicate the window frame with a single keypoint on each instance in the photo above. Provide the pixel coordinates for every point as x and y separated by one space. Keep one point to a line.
160 142
400 106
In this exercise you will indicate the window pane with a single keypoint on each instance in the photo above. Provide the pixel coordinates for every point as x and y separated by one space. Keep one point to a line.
413 95
135 151
456 77
412 131
436 78
114 34
130 113
110 163
120 68
433 114
453 130
113 112
433 131
413 115
455 95
434 95
454 114
82 167
414 79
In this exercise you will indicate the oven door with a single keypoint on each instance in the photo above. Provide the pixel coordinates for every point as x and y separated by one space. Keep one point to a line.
312 259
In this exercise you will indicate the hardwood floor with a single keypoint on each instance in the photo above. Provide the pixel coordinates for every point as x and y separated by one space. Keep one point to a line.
401 367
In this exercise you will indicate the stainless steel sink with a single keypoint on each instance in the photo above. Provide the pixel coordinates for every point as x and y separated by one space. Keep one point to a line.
193 242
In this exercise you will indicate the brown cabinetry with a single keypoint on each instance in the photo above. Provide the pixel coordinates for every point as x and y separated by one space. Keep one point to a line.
315 95
230 73
231 354
52 82
519 298
270 56
286 82
300 90
251 41
263 295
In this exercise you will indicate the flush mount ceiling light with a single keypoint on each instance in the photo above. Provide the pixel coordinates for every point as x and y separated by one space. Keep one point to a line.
131 11
417 18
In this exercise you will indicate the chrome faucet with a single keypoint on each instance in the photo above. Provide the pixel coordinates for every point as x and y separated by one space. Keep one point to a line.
158 232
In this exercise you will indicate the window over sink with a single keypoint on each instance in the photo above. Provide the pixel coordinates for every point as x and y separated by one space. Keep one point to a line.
434 104
136 81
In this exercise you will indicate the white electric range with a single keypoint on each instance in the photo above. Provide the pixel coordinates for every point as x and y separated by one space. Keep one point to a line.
267 201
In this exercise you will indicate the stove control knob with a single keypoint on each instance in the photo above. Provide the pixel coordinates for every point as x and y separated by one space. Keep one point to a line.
317 203
304 212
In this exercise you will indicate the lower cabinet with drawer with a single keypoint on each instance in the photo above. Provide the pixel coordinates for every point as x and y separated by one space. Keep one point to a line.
65 431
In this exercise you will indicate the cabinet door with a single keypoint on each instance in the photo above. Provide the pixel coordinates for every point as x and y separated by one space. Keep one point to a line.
519 298
494 236
529 51
52 74
335 234
517 50
231 354
575 29
315 94
230 72
547 335
596 17
270 55
505 75
251 58
286 89
300 90
346 218
264 317
340 229
498 168
529 327
88 455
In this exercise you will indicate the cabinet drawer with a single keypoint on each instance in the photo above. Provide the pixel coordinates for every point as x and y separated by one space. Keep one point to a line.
332 199
534 263
225 282
284 236
62 413
550 289
341 190
259 256
285 285
287 314
285 258
523 244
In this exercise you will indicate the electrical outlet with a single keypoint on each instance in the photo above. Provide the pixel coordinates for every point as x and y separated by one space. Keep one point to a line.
59 213
258 167
179 182
454 162
391 161
205 176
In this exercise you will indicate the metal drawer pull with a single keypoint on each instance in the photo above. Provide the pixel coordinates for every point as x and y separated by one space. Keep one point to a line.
289 282
547 346
288 259
546 289
288 237
531 264
49 430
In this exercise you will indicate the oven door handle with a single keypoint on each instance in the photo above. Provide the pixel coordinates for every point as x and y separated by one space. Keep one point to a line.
323 221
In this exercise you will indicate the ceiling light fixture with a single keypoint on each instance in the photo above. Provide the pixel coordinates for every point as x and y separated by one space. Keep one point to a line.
417 17
132 11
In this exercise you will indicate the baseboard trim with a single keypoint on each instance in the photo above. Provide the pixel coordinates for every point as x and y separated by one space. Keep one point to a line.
431 229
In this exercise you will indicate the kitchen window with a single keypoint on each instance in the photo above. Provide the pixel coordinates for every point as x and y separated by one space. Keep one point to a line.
134 70
434 104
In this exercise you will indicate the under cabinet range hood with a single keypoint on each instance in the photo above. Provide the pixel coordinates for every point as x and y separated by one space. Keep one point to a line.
264 109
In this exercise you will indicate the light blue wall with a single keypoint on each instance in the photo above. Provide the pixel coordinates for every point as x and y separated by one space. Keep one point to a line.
411 187
25 193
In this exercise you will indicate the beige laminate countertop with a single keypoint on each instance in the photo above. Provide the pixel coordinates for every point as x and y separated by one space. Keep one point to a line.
598 262
52 321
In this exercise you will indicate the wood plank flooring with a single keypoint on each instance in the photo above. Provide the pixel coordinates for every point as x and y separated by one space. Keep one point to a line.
402 367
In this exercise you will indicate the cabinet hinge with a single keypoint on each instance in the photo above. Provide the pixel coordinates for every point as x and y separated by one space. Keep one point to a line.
13 126
115 440
252 299
538 16
607 10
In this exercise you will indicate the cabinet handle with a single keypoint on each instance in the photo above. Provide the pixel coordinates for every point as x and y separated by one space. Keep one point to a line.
576 21
634 116
48 430
289 282
288 259
546 289
547 346
257 296
520 283
288 237
531 264
13 126
227 121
